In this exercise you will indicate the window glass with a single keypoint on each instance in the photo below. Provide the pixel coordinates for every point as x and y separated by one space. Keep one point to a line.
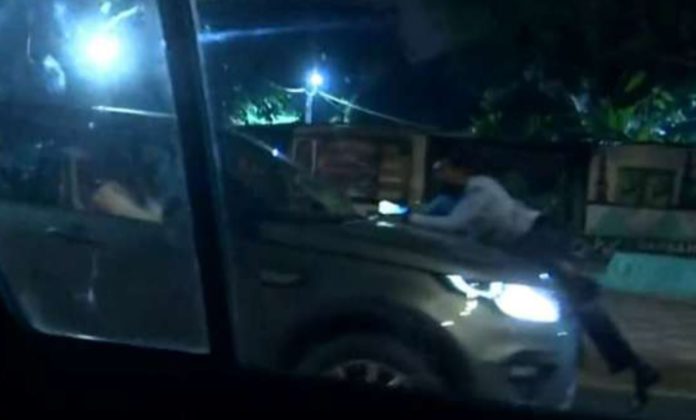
484 198
95 228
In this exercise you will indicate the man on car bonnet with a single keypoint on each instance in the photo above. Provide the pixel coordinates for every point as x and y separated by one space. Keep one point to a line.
487 213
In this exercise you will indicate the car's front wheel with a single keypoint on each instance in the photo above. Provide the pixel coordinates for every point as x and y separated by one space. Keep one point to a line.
373 360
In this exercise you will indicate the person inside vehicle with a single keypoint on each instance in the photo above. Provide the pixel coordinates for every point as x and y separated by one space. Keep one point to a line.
486 212
145 193
112 198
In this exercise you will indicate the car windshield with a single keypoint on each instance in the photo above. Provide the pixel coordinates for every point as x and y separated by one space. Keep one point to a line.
284 188
333 202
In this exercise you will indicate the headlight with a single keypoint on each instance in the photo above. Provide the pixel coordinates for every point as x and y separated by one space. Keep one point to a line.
528 303
516 300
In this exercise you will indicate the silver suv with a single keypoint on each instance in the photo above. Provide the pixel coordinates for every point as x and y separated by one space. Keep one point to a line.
334 294
321 290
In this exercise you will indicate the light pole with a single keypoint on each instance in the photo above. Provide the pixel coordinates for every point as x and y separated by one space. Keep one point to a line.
314 81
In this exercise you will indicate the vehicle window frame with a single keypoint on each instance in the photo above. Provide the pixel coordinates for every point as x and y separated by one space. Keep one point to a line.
203 175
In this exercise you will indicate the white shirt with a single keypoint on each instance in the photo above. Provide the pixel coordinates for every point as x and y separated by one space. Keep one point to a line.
487 212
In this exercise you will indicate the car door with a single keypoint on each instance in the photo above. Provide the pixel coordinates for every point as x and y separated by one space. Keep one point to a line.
86 245
131 280
38 263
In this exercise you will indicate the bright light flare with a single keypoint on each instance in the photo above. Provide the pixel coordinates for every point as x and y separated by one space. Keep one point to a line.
103 51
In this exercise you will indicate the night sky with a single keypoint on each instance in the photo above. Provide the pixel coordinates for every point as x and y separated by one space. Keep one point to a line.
385 55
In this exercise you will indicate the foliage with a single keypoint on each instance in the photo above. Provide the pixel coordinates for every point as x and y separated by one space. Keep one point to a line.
259 105
638 112
651 117
637 109
625 68
529 109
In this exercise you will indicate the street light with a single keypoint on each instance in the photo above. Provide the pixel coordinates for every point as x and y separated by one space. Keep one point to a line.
315 80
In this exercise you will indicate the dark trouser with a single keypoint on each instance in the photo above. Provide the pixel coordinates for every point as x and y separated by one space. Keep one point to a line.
607 338
548 244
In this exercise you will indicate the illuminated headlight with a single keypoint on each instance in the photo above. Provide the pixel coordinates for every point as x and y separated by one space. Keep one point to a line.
528 303
516 300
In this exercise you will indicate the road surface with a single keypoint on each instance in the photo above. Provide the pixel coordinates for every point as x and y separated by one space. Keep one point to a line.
663 331
612 403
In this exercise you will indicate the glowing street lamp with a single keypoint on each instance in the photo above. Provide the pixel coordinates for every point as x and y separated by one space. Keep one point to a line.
315 80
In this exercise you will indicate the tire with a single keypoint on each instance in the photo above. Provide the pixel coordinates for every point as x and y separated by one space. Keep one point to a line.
353 358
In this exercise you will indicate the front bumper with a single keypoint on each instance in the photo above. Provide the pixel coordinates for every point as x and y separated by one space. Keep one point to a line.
513 361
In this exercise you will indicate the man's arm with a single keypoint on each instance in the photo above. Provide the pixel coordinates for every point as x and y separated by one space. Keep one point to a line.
439 206
459 219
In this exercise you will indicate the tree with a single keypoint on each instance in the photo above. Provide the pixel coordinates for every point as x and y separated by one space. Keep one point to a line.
625 68
257 48
639 111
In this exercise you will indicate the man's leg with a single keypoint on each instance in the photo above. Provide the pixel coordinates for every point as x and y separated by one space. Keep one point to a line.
605 335
549 246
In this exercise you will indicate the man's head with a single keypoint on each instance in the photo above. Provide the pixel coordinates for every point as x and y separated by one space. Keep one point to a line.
454 170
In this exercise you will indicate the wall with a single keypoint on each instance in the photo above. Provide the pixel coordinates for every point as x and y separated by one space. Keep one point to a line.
661 275
636 156
645 218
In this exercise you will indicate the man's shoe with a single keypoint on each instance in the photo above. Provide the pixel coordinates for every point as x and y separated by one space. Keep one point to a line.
645 378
